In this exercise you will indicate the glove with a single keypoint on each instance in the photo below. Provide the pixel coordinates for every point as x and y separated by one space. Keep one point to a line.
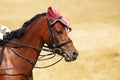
1 36
5 30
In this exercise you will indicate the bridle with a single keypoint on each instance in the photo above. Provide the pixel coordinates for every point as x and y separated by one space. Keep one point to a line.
59 44
54 49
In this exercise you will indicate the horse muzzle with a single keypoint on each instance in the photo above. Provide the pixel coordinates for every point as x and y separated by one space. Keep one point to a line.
70 56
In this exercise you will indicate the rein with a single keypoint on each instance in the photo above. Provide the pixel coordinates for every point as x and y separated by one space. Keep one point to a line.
29 46
32 61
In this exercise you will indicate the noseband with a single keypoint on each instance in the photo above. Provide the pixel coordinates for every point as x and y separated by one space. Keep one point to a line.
54 38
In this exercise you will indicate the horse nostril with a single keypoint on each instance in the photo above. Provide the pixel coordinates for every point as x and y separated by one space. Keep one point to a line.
75 54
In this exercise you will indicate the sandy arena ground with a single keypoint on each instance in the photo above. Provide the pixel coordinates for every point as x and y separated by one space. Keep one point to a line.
96 35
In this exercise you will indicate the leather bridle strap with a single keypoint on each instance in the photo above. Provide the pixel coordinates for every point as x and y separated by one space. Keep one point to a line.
28 46
53 35
55 19
63 43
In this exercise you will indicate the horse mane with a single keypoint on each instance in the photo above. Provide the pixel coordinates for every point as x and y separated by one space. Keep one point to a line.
20 32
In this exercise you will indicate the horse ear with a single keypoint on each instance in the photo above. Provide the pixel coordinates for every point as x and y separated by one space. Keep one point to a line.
70 29
55 9
53 12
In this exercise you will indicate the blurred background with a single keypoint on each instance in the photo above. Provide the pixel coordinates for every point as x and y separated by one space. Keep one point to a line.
96 35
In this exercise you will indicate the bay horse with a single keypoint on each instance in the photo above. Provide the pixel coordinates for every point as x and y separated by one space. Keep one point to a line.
23 46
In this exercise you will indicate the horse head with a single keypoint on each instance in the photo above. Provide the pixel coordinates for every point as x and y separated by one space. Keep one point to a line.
58 39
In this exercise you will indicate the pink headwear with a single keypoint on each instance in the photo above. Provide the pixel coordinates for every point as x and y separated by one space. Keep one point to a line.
53 14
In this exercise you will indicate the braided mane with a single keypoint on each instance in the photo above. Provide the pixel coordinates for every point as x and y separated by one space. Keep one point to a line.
20 32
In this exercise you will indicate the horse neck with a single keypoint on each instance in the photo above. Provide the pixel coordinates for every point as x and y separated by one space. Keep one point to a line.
34 33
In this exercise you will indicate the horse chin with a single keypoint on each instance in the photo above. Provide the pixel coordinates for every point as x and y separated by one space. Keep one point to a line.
66 57
65 54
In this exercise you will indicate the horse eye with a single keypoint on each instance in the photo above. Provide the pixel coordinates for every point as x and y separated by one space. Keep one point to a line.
68 29
59 32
